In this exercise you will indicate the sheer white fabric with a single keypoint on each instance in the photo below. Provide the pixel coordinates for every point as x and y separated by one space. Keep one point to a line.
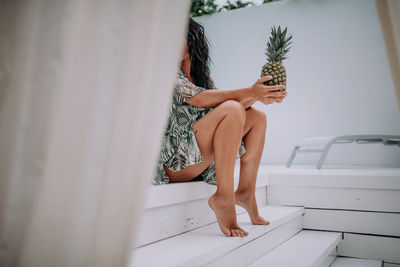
389 16
77 137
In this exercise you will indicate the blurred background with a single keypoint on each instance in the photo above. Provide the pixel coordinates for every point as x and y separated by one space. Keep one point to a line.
339 77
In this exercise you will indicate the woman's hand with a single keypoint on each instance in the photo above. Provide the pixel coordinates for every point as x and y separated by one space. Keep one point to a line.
263 92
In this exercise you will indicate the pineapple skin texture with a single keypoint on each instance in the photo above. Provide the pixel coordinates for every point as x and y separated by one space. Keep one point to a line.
277 71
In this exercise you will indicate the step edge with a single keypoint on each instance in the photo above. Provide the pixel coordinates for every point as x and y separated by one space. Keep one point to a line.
160 195
320 258
289 222
296 212
328 250
363 259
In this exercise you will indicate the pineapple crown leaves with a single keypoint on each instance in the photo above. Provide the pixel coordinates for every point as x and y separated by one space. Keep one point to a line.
278 44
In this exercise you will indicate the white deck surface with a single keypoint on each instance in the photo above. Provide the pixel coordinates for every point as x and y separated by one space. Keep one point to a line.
306 249
351 262
337 176
209 242
328 169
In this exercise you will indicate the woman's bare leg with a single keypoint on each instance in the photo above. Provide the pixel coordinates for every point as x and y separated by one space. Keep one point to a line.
219 133
254 139
227 139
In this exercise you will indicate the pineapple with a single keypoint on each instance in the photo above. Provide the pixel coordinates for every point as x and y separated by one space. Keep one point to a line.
277 47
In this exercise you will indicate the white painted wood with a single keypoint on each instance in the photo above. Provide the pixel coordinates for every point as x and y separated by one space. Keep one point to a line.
307 248
251 251
173 193
366 180
335 198
379 223
370 247
328 170
198 246
378 178
353 262
162 222
328 260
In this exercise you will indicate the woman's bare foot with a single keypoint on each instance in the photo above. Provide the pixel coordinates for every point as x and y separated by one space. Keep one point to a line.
248 202
224 209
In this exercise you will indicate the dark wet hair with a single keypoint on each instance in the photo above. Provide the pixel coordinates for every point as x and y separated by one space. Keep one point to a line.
198 49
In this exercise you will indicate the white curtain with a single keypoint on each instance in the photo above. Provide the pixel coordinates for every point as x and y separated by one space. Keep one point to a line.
84 94
389 16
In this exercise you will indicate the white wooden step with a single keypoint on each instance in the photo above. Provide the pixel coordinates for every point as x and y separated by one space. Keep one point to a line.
374 190
305 249
175 193
208 246
353 262
372 247
361 203
379 223
176 208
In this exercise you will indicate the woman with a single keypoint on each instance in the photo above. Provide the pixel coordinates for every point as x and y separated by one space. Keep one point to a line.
208 129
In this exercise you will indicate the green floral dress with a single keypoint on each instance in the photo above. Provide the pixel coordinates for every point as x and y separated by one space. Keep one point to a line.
179 147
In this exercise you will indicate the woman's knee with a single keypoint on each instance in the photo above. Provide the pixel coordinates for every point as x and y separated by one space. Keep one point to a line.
234 108
258 115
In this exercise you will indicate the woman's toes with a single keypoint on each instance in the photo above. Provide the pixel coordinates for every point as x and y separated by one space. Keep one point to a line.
237 232
233 232
243 231
227 232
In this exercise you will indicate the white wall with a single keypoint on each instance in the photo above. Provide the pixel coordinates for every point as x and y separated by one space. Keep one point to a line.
338 75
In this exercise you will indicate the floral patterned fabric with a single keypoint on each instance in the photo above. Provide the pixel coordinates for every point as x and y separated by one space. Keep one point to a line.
179 147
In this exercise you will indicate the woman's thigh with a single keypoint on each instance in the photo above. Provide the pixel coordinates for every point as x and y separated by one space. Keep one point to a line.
204 130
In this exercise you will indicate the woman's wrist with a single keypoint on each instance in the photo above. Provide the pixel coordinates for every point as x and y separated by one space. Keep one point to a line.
252 96
248 98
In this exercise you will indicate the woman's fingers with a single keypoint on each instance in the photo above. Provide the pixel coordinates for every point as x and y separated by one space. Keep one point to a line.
277 94
269 101
272 99
275 87
264 79
269 96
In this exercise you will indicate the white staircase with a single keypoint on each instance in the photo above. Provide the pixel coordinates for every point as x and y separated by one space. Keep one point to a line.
307 248
179 229
352 262
207 246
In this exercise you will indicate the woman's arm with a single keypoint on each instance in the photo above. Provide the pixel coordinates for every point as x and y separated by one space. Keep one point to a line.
247 103
212 98
187 92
